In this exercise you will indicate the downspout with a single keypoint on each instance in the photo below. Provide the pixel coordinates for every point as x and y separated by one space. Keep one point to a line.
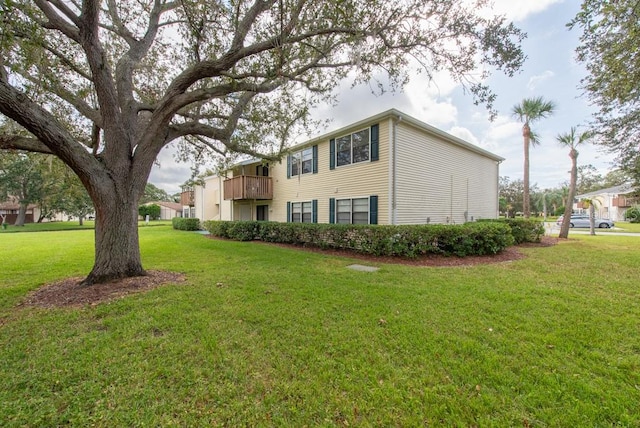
498 189
202 200
394 169
220 190
451 202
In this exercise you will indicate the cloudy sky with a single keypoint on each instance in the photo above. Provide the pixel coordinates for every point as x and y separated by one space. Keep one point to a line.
550 71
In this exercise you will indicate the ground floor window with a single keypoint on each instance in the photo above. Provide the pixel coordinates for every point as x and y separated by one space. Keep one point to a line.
301 212
352 211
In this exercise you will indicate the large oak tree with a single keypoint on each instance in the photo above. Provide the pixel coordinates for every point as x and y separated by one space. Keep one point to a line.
609 49
105 85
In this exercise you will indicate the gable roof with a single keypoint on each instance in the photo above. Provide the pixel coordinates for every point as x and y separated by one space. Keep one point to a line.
394 114
615 190
402 117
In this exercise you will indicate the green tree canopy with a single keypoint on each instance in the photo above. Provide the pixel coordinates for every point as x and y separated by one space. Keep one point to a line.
609 49
105 85
21 179
153 193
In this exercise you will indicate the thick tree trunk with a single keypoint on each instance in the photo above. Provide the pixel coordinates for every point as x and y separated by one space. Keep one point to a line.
117 249
22 215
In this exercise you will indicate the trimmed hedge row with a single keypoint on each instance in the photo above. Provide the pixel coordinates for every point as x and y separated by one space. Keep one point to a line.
468 239
180 223
522 229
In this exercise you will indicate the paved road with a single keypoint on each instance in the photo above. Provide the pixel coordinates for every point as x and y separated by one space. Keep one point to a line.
554 230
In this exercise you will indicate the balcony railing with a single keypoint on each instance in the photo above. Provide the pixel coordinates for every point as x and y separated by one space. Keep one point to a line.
623 202
187 198
248 187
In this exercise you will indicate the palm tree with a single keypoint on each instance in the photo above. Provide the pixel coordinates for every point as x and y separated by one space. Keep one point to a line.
571 140
529 111
591 203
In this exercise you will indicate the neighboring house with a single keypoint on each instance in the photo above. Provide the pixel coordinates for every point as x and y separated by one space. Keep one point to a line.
9 211
611 203
168 210
387 169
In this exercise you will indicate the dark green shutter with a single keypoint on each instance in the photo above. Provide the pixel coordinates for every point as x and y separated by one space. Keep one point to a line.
375 142
288 212
332 210
332 154
314 211
289 166
373 209
315 159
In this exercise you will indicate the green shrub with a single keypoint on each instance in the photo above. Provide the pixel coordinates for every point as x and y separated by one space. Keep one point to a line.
522 229
633 214
217 228
180 223
468 239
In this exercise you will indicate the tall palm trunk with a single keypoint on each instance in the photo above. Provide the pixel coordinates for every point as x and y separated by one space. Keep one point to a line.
568 208
526 206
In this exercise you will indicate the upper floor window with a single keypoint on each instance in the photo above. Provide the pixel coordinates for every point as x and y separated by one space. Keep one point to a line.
353 148
361 146
303 162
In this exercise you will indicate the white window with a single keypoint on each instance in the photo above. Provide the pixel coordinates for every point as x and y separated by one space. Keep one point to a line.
352 211
301 212
302 162
353 148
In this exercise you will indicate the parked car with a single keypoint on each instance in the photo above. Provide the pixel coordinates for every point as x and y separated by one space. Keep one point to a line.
582 220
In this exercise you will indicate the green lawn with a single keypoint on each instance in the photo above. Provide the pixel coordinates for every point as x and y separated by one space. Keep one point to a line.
266 336
66 225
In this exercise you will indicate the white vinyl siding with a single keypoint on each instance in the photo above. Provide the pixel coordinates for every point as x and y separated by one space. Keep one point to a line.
359 179
439 182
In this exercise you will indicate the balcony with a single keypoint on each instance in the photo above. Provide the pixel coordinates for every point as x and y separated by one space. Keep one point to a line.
624 202
248 187
187 198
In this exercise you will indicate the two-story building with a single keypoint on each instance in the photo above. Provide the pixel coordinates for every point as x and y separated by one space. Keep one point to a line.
611 203
386 169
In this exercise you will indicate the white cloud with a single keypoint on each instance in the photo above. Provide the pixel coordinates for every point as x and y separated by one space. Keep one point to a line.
464 134
502 128
535 80
519 10
169 174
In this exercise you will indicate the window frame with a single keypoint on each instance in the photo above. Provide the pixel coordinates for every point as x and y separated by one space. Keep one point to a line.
302 213
351 210
337 160
299 162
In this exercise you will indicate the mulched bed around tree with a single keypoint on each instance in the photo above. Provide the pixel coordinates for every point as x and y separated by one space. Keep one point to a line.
69 292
